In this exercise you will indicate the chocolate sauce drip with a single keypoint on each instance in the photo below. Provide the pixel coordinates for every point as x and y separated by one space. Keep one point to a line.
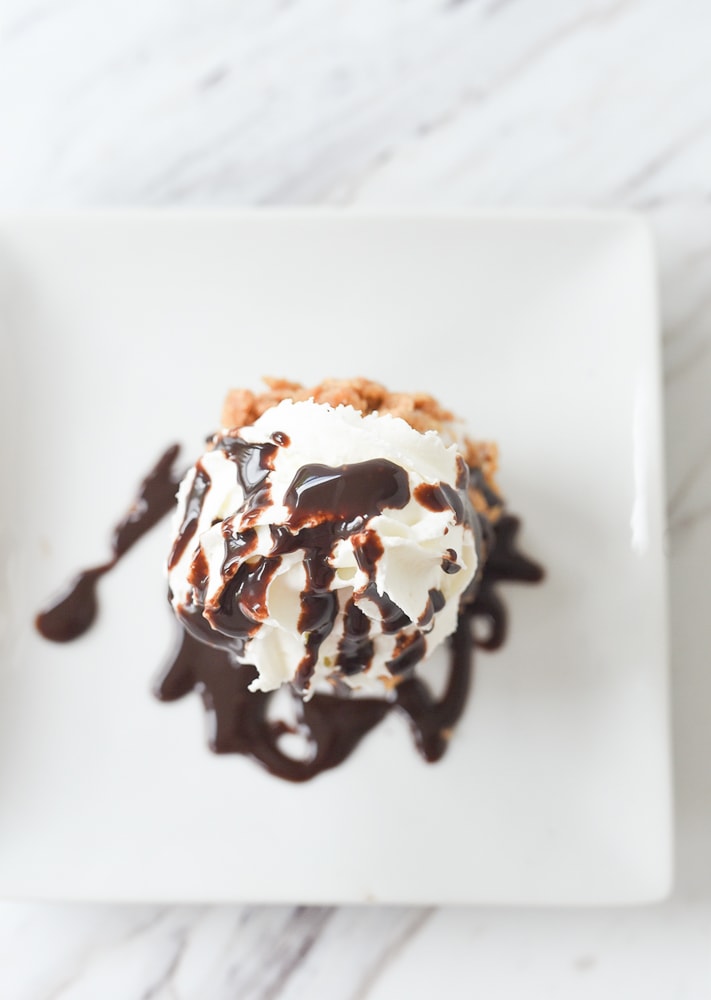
193 509
238 720
504 561
410 648
73 613
392 617
243 604
430 496
238 546
432 720
449 563
335 725
199 572
355 648
368 549
439 497
254 463
437 599
199 626
435 603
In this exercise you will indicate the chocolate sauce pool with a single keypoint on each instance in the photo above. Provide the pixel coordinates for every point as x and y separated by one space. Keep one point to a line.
333 726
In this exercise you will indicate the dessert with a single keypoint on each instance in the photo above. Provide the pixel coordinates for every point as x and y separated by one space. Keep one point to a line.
327 541
328 548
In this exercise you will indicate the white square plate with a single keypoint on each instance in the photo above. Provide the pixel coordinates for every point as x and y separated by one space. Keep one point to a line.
120 335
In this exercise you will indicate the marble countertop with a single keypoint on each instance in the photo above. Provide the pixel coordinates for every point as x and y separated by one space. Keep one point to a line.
463 103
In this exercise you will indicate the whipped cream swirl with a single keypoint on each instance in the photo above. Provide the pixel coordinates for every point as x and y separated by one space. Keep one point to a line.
330 549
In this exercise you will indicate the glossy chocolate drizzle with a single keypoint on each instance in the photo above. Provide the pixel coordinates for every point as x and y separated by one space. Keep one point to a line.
74 610
239 720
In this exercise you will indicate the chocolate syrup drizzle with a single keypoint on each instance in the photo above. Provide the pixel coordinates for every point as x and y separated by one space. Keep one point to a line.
326 503
332 725
75 610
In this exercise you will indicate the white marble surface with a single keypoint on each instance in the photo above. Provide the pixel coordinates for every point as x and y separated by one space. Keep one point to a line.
419 103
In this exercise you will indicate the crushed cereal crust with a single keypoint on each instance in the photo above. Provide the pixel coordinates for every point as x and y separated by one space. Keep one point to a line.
422 411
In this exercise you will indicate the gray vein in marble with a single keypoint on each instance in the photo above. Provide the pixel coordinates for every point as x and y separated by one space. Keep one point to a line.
591 18
141 926
700 311
315 919
88 957
214 78
675 372
181 938
31 16
690 520
413 928
244 916
674 148
282 955
496 7
683 489
643 201
469 98
175 183
312 177
697 257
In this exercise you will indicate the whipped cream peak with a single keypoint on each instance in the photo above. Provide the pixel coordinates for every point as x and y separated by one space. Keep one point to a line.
328 548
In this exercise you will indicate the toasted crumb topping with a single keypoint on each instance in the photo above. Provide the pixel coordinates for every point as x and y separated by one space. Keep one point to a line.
422 411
